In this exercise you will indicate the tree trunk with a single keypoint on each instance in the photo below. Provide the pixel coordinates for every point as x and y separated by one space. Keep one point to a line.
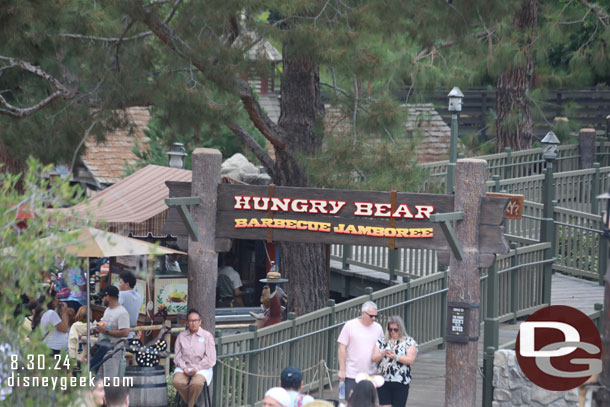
514 126
301 110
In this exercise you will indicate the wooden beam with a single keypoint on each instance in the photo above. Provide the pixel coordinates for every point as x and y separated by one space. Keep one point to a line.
454 244
184 200
191 227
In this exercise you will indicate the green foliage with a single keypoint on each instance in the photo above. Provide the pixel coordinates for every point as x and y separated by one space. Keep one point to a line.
162 134
24 256
370 164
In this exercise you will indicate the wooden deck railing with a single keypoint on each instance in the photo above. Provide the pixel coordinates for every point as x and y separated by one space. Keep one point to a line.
251 362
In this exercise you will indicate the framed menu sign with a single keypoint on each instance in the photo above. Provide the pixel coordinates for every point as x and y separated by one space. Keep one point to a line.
458 318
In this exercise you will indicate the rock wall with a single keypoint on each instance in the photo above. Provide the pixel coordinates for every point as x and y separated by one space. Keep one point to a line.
513 389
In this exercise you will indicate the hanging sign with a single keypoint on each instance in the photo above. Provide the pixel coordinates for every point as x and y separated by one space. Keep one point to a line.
458 318
313 215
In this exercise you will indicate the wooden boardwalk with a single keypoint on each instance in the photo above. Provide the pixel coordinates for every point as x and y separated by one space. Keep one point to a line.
428 385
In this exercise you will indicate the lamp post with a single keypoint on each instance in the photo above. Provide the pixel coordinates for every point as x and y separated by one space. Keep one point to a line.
176 155
550 145
455 106
603 394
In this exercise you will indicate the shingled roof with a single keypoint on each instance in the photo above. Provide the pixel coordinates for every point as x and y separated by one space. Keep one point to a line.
106 161
422 120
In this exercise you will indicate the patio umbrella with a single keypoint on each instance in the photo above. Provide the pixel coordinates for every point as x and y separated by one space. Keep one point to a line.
92 242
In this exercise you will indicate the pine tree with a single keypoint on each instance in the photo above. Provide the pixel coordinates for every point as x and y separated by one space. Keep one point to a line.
73 64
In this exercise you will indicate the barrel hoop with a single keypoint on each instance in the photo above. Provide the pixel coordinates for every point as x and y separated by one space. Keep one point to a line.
148 386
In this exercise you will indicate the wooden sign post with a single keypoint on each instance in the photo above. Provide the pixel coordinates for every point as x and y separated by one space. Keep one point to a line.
202 258
464 285
466 230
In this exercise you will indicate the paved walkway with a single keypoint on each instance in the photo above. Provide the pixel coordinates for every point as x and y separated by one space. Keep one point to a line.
428 385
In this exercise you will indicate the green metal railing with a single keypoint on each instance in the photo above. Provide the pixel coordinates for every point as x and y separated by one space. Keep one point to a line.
250 362
573 189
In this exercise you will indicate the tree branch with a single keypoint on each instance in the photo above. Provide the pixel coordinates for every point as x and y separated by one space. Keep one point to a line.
61 91
256 148
355 117
106 39
601 15
261 120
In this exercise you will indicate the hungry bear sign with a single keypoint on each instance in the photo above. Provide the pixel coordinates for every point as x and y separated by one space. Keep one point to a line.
315 215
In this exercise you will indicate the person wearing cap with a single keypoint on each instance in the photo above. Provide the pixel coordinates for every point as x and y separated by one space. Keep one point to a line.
272 301
276 397
114 326
292 381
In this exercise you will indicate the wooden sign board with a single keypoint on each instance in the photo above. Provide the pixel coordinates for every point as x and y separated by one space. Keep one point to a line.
315 215
371 218
514 208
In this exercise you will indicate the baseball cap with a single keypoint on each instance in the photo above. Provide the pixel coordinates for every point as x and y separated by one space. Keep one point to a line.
111 291
291 378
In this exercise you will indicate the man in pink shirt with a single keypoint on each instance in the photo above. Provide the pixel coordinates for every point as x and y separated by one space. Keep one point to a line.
356 342
195 356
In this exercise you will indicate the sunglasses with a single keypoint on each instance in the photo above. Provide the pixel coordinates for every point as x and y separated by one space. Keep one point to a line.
370 316
393 330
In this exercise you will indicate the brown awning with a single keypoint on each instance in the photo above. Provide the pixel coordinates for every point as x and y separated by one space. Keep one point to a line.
135 198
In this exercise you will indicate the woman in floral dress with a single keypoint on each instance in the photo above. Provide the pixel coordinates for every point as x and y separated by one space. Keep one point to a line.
395 354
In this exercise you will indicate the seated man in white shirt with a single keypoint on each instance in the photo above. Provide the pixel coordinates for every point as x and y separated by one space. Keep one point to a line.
229 271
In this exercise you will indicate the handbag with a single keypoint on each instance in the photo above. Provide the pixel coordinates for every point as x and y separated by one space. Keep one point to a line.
102 344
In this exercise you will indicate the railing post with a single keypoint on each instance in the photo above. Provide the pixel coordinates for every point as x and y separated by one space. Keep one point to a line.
321 378
595 190
508 164
496 180
443 308
587 148
492 332
393 263
347 253
369 291
602 257
514 259
488 374
292 316
547 230
491 320
600 320
253 367
330 356
218 370
168 339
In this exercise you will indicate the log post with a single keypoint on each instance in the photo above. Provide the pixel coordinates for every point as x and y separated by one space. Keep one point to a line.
464 284
588 149
203 259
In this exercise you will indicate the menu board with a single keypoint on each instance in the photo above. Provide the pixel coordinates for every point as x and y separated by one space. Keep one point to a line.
458 318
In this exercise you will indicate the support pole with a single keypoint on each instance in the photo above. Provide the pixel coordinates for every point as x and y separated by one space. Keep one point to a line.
602 395
464 284
587 146
547 230
450 184
492 331
202 258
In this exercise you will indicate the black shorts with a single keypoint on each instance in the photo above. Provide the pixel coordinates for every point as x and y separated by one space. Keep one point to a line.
393 393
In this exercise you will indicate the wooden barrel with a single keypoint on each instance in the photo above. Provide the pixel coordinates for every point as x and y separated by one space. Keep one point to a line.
149 386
